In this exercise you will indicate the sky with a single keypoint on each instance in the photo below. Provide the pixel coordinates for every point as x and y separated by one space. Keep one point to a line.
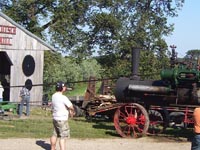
186 34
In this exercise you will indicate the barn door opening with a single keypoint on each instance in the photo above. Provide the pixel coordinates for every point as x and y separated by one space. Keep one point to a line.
5 65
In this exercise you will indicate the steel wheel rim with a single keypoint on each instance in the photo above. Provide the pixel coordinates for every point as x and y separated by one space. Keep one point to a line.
131 120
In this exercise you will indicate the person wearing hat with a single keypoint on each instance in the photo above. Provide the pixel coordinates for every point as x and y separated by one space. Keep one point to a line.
61 109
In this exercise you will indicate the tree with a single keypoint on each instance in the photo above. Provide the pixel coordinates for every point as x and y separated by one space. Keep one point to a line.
59 68
193 54
193 57
83 28
90 67
58 21
142 24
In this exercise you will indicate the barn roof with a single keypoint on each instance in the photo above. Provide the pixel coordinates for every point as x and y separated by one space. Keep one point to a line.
27 32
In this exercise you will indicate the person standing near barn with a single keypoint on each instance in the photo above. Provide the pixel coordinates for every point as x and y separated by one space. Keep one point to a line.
25 98
61 109
196 138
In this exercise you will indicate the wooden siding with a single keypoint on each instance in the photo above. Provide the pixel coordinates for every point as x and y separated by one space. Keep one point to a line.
21 41
24 44
17 77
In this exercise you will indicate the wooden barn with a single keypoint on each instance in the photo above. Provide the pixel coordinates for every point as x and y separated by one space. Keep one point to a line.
21 60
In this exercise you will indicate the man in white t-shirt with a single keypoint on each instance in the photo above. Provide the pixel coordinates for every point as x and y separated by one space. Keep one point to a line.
61 109
1 92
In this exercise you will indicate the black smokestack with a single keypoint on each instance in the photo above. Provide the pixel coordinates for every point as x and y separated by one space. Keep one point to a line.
135 63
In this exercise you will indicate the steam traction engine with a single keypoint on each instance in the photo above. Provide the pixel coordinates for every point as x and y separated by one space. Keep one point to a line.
143 106
178 90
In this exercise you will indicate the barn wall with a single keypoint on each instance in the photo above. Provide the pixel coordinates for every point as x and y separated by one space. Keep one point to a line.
18 78
20 40
20 45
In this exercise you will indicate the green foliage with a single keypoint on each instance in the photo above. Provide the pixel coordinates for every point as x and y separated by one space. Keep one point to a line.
90 67
78 89
108 28
193 54
59 68
105 32
84 27
148 66
192 57
151 65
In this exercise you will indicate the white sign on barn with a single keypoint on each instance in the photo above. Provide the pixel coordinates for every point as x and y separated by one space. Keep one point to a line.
21 60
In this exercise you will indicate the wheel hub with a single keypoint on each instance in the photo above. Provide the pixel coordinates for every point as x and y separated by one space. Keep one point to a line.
131 120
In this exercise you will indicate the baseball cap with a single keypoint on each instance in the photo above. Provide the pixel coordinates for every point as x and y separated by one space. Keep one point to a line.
60 85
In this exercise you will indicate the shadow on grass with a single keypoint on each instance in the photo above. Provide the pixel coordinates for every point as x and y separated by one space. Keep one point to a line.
180 133
101 123
43 144
175 135
170 134
109 128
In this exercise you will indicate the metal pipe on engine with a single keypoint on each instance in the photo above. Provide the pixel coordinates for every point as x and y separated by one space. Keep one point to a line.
135 63
149 89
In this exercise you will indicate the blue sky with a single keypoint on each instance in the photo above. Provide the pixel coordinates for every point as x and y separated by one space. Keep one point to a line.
186 35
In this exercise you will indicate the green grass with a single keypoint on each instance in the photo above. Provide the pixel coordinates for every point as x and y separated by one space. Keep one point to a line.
39 125
81 128
80 88
179 133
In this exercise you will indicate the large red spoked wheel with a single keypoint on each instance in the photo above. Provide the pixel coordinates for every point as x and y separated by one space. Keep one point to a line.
131 120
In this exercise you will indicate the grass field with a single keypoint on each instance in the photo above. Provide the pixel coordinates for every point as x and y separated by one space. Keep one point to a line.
80 88
39 125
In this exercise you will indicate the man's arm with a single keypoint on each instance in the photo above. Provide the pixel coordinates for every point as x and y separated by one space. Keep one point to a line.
71 111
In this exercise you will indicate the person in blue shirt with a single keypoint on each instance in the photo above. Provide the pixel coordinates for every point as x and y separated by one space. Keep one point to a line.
25 99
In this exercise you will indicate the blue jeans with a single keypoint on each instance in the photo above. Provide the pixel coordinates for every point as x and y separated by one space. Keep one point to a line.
196 142
25 99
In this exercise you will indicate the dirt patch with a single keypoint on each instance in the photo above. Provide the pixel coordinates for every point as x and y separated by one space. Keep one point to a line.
144 143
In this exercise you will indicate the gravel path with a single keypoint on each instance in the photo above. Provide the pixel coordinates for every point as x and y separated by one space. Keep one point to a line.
144 143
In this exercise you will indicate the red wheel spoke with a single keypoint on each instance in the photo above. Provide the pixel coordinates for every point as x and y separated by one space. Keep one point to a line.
131 120
122 114
126 111
131 112
124 128
128 130
139 129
